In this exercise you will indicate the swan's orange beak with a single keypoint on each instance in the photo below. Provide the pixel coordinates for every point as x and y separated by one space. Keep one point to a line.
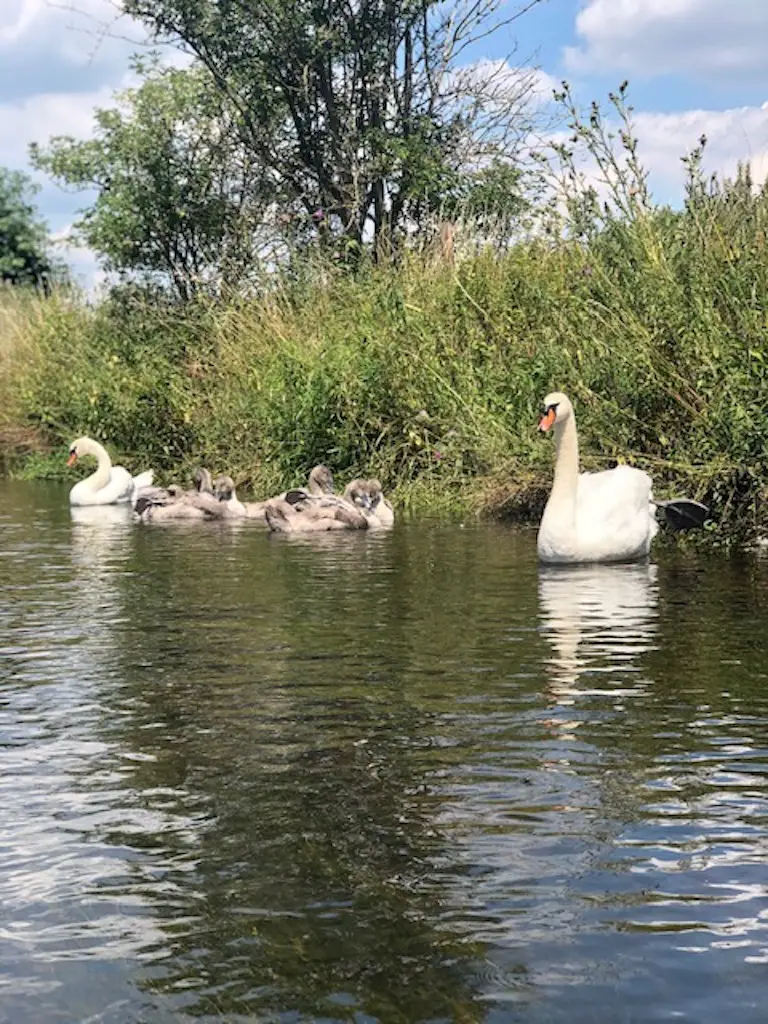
72 459
547 420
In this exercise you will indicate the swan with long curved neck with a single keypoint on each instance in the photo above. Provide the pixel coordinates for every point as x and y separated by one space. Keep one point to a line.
108 484
600 517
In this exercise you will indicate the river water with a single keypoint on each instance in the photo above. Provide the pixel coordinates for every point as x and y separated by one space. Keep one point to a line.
362 778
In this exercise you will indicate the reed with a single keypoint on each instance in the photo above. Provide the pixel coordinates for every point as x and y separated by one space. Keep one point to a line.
429 374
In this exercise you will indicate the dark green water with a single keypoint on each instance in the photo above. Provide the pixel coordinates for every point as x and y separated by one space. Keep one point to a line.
374 778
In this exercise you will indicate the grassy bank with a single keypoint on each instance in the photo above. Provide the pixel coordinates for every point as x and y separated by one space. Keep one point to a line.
431 375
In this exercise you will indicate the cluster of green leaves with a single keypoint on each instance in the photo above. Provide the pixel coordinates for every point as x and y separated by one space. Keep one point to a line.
88 375
23 236
342 102
324 125
429 372
178 199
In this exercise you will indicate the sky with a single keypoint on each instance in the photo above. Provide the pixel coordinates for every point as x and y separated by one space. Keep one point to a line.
694 67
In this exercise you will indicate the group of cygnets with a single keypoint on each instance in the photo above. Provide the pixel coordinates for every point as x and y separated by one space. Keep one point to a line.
610 516
315 508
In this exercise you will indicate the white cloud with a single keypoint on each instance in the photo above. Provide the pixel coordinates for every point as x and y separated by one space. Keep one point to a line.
544 84
497 74
710 38
739 135
733 136
67 45
36 118
60 59
78 27
510 106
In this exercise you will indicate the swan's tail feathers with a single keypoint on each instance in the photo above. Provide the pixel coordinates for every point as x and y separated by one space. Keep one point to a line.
683 513
144 479
139 483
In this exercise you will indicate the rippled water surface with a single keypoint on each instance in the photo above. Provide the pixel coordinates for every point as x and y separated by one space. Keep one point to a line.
374 778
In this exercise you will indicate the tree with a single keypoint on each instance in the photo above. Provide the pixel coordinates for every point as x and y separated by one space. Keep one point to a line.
358 108
492 202
180 199
23 236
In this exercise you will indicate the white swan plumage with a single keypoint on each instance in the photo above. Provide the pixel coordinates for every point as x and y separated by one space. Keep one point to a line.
599 517
108 484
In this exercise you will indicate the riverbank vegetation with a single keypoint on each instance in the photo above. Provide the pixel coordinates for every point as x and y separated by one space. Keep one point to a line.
411 337
430 373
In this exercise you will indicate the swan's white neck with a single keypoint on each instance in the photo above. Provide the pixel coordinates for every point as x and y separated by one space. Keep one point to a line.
562 498
99 478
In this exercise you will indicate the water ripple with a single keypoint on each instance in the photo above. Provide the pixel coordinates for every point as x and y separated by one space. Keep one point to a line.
394 778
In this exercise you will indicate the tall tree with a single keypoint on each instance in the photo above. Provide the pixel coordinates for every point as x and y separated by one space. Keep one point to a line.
23 235
358 107
179 197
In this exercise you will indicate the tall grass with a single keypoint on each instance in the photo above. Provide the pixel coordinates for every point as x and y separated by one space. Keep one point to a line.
22 316
430 374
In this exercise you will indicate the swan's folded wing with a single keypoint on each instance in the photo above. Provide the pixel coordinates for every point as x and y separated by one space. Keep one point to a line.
614 491
120 486
302 513
614 511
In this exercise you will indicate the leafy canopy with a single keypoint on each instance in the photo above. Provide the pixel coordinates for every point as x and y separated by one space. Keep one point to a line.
23 235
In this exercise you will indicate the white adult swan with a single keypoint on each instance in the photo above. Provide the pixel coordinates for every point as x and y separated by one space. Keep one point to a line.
109 484
600 517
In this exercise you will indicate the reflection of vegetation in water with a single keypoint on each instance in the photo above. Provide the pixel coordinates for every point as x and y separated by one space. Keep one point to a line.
342 776
286 718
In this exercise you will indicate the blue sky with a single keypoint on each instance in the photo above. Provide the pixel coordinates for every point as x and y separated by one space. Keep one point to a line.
694 66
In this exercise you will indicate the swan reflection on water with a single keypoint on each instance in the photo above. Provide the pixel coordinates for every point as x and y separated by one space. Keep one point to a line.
598 619
102 518
101 543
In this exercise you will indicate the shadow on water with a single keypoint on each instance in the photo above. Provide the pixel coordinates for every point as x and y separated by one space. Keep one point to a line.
396 778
